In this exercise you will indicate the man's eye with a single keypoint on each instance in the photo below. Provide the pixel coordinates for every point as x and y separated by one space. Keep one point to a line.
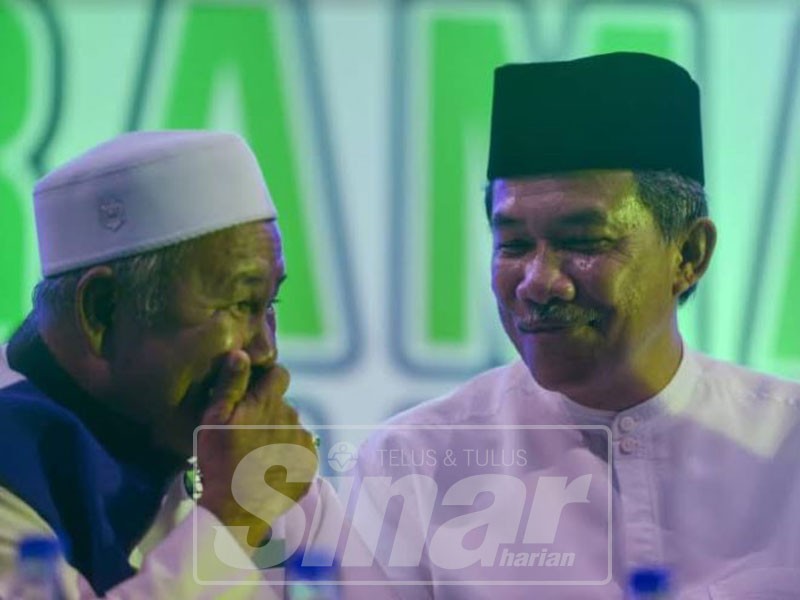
513 247
587 245
245 307
250 308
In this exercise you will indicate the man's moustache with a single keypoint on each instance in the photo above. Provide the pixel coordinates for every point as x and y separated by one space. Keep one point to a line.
560 314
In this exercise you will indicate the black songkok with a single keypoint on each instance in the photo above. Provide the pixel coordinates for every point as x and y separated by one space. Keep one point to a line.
624 110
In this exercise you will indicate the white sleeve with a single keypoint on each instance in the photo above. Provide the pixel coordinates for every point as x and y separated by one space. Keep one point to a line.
167 571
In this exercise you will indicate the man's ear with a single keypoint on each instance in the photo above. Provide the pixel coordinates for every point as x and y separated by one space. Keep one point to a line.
696 247
95 302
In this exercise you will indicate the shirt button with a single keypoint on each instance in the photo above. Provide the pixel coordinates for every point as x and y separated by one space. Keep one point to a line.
626 424
627 445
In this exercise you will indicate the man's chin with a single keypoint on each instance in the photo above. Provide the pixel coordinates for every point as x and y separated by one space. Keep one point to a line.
559 373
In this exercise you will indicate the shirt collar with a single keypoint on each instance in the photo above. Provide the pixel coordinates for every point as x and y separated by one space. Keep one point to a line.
672 398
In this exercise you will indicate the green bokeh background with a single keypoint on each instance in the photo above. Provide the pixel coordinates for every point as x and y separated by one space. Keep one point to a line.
82 71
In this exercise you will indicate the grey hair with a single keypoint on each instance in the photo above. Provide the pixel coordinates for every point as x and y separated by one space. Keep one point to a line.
674 201
143 279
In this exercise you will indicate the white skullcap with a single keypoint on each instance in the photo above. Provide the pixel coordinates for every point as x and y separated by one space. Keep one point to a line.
146 190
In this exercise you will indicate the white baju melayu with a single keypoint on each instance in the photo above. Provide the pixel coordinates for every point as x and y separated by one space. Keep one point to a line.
703 479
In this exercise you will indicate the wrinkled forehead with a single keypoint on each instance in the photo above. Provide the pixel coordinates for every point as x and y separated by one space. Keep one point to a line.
563 194
241 241
251 251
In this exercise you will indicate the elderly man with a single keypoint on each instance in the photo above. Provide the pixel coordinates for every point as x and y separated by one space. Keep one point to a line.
162 261
611 455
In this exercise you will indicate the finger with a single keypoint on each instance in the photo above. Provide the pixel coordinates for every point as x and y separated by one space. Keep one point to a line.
271 386
230 388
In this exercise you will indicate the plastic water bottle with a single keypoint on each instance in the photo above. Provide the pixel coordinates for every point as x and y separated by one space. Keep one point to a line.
310 581
37 570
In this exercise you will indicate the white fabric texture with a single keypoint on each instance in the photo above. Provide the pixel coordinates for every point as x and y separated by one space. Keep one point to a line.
146 190
705 480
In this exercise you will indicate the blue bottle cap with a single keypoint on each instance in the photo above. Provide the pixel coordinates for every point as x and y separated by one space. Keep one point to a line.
37 547
650 581
318 567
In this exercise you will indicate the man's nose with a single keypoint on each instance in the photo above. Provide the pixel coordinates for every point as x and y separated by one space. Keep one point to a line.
544 279
261 346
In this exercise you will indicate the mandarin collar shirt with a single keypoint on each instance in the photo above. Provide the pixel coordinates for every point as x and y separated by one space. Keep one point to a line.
702 479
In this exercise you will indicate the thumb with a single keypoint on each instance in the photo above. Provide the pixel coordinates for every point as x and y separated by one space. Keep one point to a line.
229 390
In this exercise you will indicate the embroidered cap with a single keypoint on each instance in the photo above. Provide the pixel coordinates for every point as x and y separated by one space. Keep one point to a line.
146 190
624 110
